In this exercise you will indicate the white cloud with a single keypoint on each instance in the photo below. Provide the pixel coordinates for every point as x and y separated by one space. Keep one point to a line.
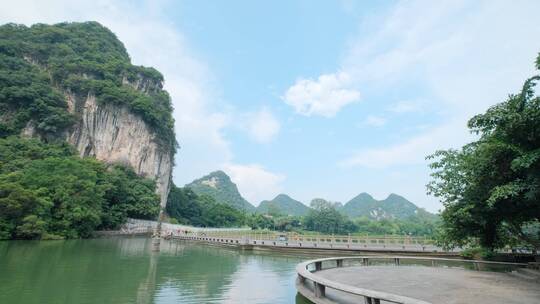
375 121
466 55
153 41
262 126
463 54
324 96
254 181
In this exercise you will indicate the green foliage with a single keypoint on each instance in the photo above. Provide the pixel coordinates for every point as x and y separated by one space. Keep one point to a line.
415 225
187 207
219 186
319 204
47 192
283 204
221 215
326 219
39 63
260 221
477 253
491 187
288 223
26 94
128 196
184 206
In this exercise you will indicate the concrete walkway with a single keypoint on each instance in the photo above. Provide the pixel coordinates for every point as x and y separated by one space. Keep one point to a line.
246 241
437 284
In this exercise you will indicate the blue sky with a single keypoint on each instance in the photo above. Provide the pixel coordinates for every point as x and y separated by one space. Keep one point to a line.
319 98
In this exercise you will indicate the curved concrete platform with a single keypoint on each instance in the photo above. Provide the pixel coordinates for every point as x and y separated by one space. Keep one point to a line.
433 284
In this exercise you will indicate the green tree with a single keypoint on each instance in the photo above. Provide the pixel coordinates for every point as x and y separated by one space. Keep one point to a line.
184 205
128 195
46 191
260 221
187 207
22 212
326 219
72 186
491 187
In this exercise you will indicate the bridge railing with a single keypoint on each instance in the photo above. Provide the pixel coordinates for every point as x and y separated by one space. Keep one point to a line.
354 240
307 271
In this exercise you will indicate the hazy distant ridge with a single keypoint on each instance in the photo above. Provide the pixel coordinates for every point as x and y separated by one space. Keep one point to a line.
393 207
219 186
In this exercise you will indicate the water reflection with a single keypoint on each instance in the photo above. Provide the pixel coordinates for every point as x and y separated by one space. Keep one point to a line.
125 270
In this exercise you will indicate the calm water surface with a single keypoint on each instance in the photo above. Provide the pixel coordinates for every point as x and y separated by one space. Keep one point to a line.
125 270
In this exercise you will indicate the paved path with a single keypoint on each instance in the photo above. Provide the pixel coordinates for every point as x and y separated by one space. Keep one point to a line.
437 284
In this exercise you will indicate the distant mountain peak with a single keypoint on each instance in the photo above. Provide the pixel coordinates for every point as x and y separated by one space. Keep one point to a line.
394 206
220 175
219 185
281 196
283 204
213 179
393 195
364 195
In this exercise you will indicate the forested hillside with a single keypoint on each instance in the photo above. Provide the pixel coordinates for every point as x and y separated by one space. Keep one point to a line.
72 106
219 186
39 64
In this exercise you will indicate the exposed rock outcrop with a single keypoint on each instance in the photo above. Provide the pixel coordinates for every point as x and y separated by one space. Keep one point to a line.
113 134
121 114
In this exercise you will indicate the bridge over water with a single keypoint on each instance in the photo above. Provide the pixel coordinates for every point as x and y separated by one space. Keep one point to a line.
247 238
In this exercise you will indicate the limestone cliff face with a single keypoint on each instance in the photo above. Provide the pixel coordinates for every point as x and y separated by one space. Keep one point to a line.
113 134
128 121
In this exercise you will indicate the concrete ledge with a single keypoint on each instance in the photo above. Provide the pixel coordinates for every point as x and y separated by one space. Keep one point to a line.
320 287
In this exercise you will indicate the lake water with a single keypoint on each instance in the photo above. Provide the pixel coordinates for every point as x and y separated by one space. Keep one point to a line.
125 270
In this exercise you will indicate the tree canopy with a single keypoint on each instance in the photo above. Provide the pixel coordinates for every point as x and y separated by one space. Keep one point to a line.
189 208
491 187
46 191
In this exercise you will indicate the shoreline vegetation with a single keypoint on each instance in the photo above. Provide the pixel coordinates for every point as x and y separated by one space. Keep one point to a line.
48 192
